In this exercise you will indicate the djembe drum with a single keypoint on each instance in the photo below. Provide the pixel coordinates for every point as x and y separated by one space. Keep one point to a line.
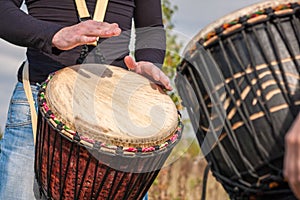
239 81
103 133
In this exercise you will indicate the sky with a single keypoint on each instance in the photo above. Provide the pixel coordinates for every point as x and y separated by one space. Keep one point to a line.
189 19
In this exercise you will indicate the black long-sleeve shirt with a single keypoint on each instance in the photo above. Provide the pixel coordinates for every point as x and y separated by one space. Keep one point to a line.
36 29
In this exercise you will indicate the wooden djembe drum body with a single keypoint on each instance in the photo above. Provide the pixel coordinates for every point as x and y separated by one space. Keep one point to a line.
103 133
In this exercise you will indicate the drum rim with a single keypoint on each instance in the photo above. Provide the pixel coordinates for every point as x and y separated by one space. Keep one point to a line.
228 21
57 123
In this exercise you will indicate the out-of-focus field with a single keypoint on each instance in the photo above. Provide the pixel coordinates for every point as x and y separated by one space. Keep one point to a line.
183 180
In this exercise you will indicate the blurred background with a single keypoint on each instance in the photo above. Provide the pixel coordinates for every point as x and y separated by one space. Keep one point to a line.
182 179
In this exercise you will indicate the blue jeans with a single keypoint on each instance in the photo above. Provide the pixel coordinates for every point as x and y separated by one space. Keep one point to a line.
17 149
17 180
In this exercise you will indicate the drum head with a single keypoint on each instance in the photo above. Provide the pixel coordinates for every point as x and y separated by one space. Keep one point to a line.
111 105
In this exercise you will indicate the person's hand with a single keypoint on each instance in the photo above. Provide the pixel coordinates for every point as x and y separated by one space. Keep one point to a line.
292 157
149 70
84 33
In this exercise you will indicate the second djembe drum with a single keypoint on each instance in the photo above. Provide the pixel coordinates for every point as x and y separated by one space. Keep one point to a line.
240 83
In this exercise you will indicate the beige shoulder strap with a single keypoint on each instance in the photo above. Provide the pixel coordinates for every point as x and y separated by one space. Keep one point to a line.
82 9
99 13
100 10
28 92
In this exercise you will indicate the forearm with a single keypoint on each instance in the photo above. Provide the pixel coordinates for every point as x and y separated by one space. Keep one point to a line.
151 45
150 33
24 30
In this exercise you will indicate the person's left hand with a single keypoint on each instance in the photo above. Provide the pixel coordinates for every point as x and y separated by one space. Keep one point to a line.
292 157
149 70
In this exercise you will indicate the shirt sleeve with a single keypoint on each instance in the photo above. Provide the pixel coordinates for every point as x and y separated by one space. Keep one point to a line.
150 34
21 29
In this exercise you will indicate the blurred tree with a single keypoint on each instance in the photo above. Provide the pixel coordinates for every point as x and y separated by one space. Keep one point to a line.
1 133
183 179
172 58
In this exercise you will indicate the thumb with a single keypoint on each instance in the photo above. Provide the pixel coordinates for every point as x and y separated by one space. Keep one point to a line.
130 63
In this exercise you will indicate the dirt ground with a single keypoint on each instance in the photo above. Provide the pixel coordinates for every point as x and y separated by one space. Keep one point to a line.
183 179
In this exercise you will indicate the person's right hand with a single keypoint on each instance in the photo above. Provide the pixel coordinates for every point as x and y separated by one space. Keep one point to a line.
84 33
292 157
